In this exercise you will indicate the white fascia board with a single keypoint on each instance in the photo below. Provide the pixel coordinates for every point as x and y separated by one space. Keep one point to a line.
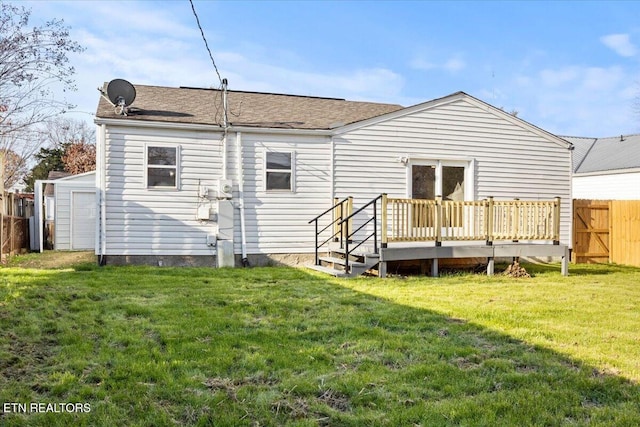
155 124
62 183
607 172
70 177
206 127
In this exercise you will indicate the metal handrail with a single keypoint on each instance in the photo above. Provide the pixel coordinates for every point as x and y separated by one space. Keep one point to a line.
339 232
329 210
373 219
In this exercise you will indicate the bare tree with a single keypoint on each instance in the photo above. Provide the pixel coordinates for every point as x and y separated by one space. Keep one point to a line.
62 131
58 135
33 66
15 167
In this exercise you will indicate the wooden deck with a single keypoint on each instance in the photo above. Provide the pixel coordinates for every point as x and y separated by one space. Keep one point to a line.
412 229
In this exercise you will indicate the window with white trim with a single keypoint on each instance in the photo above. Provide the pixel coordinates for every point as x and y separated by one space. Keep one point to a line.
279 167
162 167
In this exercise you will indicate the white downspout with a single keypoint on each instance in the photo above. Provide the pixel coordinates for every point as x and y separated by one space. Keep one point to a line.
101 178
243 233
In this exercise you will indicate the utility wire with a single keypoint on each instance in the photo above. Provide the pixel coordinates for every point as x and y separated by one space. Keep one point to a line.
205 41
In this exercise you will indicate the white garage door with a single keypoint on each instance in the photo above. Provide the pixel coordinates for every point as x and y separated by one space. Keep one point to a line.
83 220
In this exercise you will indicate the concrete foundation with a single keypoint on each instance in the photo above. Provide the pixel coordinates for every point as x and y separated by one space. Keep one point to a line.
260 260
161 260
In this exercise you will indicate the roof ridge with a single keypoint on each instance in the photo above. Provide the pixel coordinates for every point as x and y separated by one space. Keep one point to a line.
601 137
265 93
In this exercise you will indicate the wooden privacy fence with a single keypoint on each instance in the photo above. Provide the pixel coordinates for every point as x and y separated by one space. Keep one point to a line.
14 235
606 231
14 223
415 220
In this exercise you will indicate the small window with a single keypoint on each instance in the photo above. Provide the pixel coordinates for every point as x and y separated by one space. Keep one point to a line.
279 171
162 167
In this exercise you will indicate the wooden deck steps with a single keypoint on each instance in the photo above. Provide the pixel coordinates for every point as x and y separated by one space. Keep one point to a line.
335 262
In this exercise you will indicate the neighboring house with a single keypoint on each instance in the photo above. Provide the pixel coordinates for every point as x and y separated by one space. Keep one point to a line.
69 218
175 186
606 168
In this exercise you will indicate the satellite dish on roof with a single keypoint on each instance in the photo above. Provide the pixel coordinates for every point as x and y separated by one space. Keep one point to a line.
121 94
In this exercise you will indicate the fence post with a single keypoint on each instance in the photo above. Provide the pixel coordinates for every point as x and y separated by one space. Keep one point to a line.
383 208
489 221
438 222
556 221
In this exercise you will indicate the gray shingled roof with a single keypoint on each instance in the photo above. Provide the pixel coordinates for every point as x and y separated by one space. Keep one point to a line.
253 109
605 154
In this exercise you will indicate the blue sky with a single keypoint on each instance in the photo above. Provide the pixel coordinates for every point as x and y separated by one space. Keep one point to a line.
572 68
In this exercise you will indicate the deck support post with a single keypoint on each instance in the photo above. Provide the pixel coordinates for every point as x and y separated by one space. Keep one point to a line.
565 262
382 269
434 267
490 266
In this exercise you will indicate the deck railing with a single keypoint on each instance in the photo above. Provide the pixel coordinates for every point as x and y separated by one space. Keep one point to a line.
415 220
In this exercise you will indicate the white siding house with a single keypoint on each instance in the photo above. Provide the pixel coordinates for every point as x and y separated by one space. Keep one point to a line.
138 218
502 156
606 168
277 220
163 167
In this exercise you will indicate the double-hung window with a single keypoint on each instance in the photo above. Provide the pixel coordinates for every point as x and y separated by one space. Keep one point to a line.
162 167
279 171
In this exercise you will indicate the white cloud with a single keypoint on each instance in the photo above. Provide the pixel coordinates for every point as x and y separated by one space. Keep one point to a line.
453 64
558 77
365 84
421 64
620 43
579 101
173 60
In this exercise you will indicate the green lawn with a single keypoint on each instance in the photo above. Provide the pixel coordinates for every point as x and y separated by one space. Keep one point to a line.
144 346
